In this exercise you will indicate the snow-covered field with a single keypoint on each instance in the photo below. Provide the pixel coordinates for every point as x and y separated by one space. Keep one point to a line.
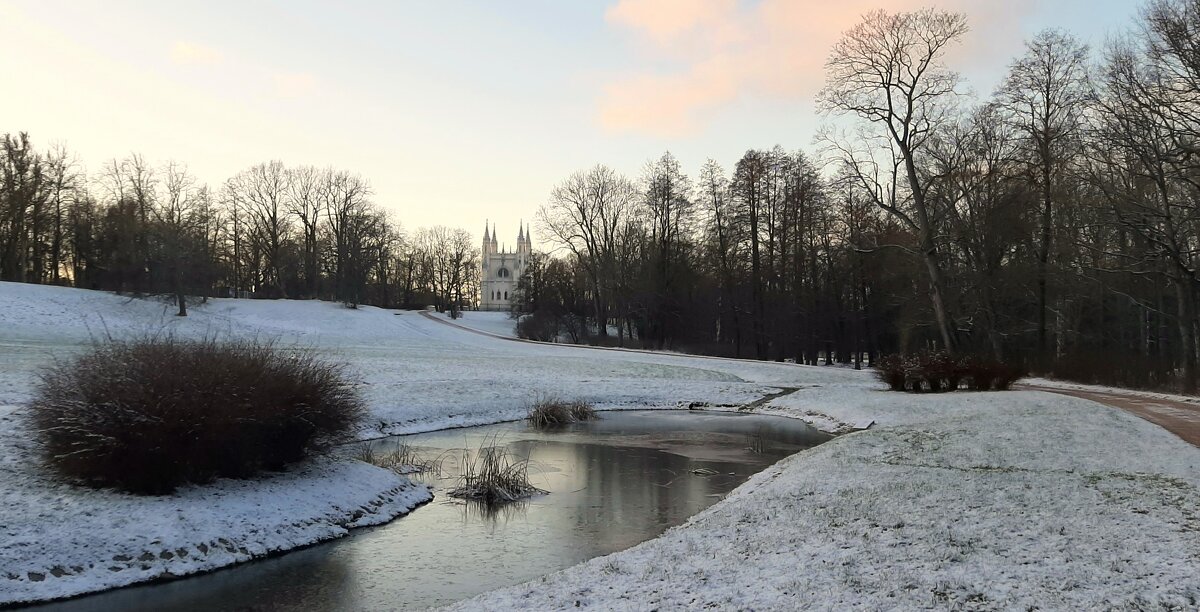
973 500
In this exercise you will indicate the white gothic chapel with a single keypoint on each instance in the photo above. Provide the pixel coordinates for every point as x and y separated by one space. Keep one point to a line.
501 269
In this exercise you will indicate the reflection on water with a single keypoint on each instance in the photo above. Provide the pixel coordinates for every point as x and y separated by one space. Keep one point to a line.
613 483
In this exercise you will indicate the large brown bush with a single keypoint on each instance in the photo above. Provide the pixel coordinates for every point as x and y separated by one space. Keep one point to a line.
151 414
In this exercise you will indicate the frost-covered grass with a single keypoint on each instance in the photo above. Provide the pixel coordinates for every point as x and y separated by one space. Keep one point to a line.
971 500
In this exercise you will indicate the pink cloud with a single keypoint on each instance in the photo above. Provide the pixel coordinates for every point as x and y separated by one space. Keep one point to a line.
719 50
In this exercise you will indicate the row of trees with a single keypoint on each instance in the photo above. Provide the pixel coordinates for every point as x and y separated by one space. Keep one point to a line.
1056 222
269 231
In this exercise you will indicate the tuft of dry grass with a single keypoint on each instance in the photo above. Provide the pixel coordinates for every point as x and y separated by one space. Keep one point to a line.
549 412
493 475
402 459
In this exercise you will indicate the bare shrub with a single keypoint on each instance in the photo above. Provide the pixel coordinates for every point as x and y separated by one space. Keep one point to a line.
550 412
493 475
542 326
938 371
891 371
151 414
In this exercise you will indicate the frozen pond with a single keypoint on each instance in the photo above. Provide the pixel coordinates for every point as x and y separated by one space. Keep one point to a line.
613 483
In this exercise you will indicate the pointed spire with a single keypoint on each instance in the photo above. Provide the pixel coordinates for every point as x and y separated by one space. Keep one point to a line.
520 231
485 231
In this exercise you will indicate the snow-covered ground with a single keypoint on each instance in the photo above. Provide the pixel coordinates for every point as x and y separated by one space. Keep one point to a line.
976 500
497 323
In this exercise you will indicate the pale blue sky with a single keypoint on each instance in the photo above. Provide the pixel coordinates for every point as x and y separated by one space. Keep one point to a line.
456 111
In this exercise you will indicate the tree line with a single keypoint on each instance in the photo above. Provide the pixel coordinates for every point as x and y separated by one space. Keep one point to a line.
270 231
1054 223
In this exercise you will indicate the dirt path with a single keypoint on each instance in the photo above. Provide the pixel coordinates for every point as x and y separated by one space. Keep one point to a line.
1178 417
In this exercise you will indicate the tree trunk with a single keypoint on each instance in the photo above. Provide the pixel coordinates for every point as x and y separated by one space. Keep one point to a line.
1187 332
939 305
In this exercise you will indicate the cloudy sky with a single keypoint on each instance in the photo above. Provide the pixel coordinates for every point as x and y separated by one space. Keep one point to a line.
456 111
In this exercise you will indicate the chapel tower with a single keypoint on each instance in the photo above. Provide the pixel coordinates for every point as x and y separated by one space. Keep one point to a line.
500 269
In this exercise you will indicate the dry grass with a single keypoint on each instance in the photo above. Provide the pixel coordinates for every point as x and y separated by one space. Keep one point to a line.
548 412
402 459
493 475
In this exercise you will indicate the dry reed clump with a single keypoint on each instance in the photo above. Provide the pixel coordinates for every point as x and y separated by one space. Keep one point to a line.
548 413
493 475
402 459
150 414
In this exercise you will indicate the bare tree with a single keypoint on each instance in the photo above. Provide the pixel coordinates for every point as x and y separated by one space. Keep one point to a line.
307 198
749 190
175 218
1148 172
669 208
1044 96
63 182
887 72
350 221
22 191
260 193
584 215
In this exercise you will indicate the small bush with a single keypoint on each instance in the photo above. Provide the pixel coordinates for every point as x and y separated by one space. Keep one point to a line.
891 371
151 414
541 326
938 371
492 475
552 412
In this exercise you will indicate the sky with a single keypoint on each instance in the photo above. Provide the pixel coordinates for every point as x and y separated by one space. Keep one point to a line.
456 111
